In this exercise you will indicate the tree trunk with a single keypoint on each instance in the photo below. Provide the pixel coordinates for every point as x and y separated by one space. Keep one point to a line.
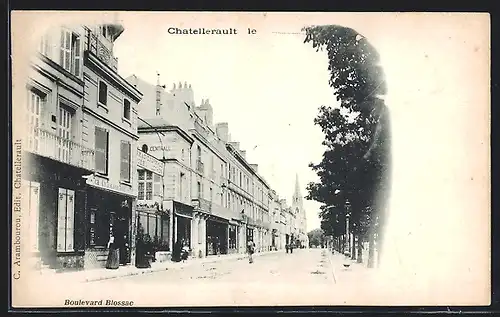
360 250
353 246
371 250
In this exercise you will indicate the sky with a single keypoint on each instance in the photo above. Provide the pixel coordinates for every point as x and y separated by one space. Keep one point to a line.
268 87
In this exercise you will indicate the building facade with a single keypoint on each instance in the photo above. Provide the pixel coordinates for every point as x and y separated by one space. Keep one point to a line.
81 116
218 200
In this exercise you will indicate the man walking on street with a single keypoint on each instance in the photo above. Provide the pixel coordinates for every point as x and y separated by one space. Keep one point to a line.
250 250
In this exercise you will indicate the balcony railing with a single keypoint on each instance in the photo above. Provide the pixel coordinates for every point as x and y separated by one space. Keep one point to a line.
200 167
98 48
202 204
48 144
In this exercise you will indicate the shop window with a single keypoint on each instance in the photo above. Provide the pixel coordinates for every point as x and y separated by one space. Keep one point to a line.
71 52
65 220
125 161
101 150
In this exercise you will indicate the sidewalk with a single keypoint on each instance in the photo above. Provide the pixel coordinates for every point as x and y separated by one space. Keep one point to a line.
99 274
354 274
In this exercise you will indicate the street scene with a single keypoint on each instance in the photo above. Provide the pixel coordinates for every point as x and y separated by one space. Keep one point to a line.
274 278
165 164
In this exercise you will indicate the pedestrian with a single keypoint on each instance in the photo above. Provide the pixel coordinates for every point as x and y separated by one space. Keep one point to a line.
113 260
250 250
176 252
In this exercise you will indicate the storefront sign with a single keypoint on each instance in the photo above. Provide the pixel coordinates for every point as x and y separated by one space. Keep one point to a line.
103 183
149 163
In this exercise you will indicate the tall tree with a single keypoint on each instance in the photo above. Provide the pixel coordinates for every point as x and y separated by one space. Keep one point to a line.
355 164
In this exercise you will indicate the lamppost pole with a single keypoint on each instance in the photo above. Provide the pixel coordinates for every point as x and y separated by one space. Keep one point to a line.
347 227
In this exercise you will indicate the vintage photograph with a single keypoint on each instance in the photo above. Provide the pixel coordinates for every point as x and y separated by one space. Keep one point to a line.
168 159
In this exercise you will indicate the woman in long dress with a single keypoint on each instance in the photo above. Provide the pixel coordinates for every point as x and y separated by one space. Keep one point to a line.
113 261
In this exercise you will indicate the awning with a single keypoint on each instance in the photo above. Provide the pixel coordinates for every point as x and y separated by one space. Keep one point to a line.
183 215
218 219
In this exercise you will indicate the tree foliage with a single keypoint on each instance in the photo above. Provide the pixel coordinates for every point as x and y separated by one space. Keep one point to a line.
354 162
316 237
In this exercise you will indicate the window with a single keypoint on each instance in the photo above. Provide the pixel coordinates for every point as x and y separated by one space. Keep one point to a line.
126 109
149 185
71 55
145 148
103 93
125 161
64 124
200 194
222 171
141 185
211 194
101 150
104 31
34 105
44 47
65 220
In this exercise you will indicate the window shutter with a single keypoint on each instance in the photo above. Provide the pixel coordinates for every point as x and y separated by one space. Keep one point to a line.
70 220
157 192
61 220
125 161
34 209
101 148
65 58
78 57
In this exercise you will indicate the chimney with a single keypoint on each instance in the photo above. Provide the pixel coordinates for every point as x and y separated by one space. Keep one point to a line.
222 131
243 153
255 167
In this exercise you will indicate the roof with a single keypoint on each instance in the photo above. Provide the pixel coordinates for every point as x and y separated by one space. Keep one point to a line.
153 122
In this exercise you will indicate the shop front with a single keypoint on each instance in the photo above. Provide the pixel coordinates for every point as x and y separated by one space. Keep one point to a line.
233 238
217 235
154 225
183 215
109 212
274 239
55 195
250 233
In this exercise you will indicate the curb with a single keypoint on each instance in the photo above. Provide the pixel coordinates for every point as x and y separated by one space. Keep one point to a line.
159 269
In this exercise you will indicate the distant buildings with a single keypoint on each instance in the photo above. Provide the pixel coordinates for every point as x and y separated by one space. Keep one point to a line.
107 157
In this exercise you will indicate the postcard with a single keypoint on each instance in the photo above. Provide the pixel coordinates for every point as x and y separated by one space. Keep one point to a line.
205 159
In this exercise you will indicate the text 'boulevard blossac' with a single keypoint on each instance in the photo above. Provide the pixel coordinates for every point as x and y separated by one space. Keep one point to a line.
354 171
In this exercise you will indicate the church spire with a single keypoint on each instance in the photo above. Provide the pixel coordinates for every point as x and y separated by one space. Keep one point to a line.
297 196
297 187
